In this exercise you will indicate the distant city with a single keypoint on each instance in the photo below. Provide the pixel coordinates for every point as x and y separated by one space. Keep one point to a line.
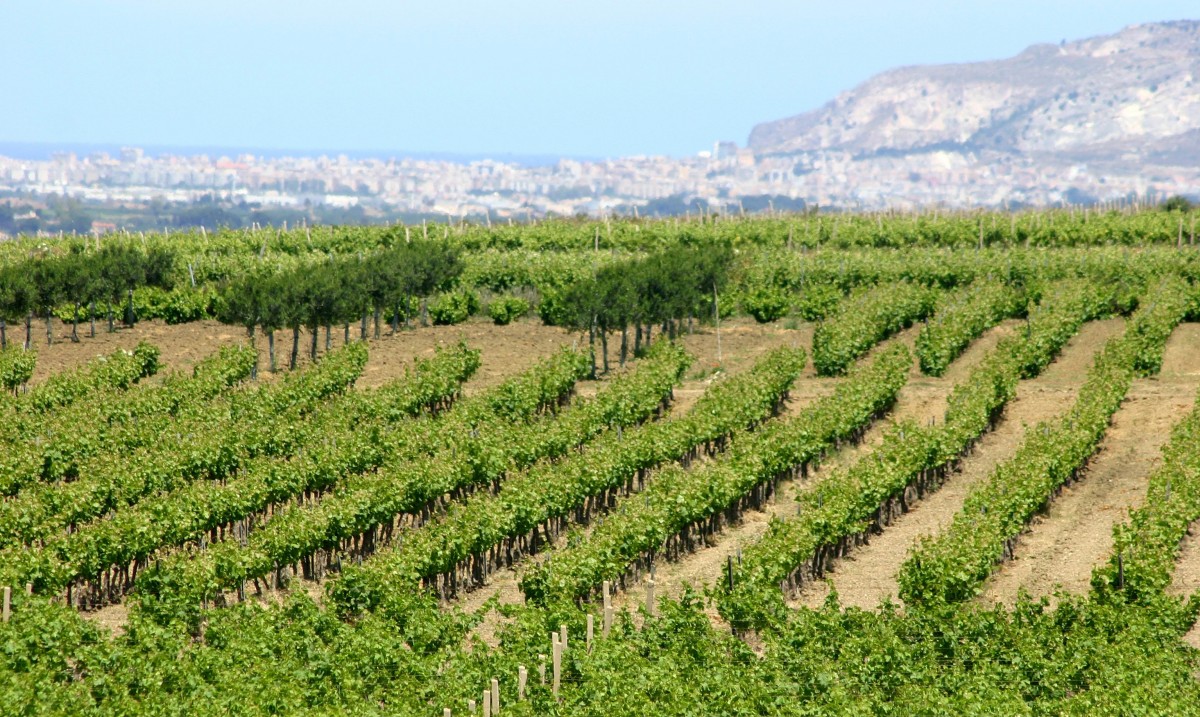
130 188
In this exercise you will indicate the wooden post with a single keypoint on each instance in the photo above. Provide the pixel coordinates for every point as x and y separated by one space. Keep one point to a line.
471 706
717 320
446 712
607 609
591 622
522 678
556 660
562 637
29 588
487 703
650 597
495 696
542 668
7 603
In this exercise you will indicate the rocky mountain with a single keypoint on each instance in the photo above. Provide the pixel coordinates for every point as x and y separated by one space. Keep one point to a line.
1131 96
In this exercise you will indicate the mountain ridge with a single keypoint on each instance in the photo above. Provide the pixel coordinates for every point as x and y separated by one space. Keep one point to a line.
1125 96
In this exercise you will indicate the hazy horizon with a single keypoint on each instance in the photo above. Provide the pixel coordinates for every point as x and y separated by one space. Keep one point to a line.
531 79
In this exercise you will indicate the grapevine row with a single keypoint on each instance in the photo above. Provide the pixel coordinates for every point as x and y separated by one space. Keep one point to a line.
911 457
363 505
214 444
1146 546
120 369
188 513
961 318
864 319
116 422
474 536
679 499
951 567
16 368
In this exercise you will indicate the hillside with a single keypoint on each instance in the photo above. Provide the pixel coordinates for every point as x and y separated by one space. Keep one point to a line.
1130 95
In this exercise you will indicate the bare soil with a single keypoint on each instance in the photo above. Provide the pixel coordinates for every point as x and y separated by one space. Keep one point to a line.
507 350
113 618
703 567
1061 547
743 342
867 576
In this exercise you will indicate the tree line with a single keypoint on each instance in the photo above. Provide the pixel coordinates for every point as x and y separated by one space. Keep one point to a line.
101 279
665 289
393 283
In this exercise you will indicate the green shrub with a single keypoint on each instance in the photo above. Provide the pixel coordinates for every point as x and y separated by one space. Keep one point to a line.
504 310
454 307
553 310
16 367
817 302
766 304
1177 203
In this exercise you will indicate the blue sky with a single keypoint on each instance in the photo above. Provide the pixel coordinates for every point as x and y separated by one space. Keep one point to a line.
594 79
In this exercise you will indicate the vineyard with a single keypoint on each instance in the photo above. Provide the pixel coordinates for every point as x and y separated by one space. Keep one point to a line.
934 463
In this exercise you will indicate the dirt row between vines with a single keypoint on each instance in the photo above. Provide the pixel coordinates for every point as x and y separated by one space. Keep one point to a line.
868 575
742 343
506 351
1076 533
921 398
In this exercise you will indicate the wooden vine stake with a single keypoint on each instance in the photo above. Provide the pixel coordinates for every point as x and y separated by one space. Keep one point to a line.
650 597
471 706
487 703
556 662
7 603
446 712
522 678
562 637
495 696
717 320
542 668
607 625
